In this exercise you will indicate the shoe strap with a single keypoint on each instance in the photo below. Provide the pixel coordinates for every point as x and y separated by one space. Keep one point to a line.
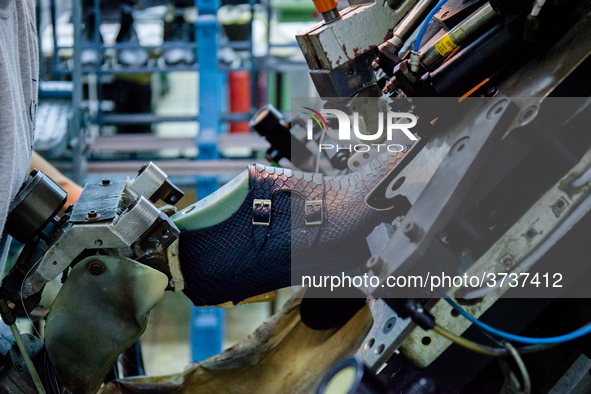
267 181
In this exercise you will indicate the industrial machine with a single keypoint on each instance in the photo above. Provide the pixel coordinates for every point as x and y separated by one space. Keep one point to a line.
491 179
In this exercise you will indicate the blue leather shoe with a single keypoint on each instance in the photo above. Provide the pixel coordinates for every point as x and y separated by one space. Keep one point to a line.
271 225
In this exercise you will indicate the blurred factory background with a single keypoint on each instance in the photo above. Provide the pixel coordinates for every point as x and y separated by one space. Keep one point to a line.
126 82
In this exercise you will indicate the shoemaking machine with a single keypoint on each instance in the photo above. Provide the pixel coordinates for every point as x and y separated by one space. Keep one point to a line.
496 181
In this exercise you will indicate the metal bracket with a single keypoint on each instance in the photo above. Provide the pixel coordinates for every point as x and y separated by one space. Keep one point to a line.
386 334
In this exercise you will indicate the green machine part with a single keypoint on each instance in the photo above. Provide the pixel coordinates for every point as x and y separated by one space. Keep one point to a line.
101 310
216 207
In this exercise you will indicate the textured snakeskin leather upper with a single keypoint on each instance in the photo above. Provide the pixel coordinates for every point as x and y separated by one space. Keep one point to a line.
316 225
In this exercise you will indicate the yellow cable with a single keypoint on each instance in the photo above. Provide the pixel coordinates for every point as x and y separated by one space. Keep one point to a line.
465 343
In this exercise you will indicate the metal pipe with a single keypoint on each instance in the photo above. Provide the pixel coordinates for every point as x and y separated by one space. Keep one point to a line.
79 153
477 61
413 20
458 35
405 28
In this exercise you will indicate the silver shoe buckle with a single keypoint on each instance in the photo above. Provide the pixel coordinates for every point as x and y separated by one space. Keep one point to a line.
311 207
258 205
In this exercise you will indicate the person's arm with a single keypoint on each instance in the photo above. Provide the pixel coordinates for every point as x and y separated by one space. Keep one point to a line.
72 188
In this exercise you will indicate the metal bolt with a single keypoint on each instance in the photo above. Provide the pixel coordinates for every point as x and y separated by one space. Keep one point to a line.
18 366
106 182
507 262
96 267
491 92
413 231
92 215
376 264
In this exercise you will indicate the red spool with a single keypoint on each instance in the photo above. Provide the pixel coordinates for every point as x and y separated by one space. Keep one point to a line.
240 98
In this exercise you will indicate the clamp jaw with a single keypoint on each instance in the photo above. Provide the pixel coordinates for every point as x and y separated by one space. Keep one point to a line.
110 218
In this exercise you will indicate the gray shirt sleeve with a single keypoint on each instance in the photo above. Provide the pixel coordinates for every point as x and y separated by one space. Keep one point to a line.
19 75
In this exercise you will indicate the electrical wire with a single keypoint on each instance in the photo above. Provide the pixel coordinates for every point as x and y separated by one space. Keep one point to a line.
522 368
518 338
483 349
466 343
319 150
426 22
23 302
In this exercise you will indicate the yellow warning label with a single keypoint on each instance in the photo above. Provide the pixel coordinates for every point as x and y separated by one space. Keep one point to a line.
445 45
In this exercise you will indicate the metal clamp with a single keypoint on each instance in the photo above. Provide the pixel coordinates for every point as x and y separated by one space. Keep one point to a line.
259 206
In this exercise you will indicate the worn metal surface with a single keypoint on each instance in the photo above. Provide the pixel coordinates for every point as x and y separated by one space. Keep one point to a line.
107 216
148 181
536 80
533 230
576 380
360 29
386 334
347 79
104 200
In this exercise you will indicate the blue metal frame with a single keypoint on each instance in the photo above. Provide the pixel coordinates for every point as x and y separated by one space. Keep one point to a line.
207 324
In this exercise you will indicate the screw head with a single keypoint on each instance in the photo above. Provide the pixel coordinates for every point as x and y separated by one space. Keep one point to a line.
92 215
376 264
492 92
413 231
507 263
96 267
